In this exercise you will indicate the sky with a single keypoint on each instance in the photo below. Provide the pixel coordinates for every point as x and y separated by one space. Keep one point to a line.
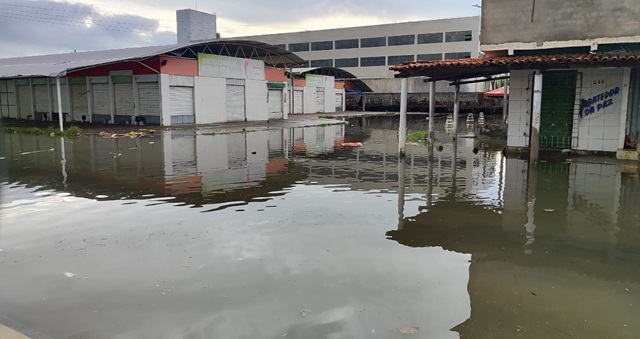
33 27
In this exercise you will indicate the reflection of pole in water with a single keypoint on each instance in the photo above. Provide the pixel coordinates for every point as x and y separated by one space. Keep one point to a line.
454 166
530 226
401 188
63 162
430 176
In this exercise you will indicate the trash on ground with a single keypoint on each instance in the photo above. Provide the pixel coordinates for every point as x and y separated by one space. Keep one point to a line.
409 330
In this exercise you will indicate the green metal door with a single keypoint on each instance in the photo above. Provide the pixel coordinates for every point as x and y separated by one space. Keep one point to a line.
558 102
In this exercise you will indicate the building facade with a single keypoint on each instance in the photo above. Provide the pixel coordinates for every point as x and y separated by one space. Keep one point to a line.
164 85
368 51
584 106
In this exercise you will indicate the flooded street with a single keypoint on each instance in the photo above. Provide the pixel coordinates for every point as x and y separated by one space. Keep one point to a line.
286 233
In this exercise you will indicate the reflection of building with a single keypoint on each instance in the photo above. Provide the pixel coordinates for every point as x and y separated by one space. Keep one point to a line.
196 168
577 278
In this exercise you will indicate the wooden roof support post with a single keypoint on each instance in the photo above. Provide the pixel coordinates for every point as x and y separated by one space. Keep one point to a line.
402 140
59 103
534 137
432 109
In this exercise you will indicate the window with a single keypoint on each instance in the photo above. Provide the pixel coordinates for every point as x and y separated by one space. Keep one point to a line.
429 38
349 62
459 36
299 47
399 59
322 63
457 55
402 40
430 57
321 45
373 42
346 44
372 61
283 46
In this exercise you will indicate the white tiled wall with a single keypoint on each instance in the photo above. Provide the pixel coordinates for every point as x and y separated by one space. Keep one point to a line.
600 131
519 108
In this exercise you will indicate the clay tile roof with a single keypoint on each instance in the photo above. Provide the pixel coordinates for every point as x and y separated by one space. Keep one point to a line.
475 67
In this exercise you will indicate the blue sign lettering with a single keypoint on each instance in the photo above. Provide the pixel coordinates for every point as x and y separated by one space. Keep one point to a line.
597 103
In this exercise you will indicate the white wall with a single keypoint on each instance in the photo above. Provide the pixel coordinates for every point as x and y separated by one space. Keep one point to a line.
309 100
329 99
256 92
210 100
165 105
600 131
519 109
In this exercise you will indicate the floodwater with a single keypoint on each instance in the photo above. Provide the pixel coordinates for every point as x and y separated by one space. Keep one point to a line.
285 233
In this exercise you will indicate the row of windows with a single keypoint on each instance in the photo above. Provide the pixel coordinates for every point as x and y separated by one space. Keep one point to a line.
383 61
399 40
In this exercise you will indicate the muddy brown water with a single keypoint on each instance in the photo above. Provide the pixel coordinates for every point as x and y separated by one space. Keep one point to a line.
285 233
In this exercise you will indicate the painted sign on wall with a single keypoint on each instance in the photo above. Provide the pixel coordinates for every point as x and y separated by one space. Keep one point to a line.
598 103
315 80
219 66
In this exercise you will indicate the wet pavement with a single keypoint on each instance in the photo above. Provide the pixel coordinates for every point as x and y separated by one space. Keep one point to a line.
286 233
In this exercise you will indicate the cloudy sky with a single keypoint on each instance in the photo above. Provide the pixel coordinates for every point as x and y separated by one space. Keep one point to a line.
31 27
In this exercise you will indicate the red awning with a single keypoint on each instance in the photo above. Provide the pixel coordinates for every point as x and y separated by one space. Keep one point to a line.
498 92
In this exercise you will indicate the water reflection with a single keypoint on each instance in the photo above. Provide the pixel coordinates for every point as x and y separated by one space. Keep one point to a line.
293 242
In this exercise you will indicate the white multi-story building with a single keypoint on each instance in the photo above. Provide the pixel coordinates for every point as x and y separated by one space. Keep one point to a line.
368 51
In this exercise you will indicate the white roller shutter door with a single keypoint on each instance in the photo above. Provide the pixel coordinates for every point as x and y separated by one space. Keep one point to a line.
274 100
79 101
339 107
41 98
320 99
123 94
101 99
235 103
24 101
181 100
297 102
64 94
149 98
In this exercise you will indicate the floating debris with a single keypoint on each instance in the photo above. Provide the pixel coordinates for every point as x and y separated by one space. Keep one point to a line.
69 275
33 152
132 134
303 313
409 330
549 210
351 144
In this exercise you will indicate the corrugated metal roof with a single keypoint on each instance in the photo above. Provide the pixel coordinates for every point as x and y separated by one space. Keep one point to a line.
459 68
54 65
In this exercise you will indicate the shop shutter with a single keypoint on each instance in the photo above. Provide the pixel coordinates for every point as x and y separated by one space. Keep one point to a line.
101 99
274 100
24 101
298 103
235 103
41 98
181 104
558 103
339 107
149 98
124 101
79 101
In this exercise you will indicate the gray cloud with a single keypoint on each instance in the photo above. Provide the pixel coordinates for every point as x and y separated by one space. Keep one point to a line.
36 27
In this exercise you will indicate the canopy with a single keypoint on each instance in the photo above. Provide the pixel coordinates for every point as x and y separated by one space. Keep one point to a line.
495 93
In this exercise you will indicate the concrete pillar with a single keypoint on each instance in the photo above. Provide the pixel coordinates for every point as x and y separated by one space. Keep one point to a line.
432 109
456 111
59 93
534 140
402 141
505 101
